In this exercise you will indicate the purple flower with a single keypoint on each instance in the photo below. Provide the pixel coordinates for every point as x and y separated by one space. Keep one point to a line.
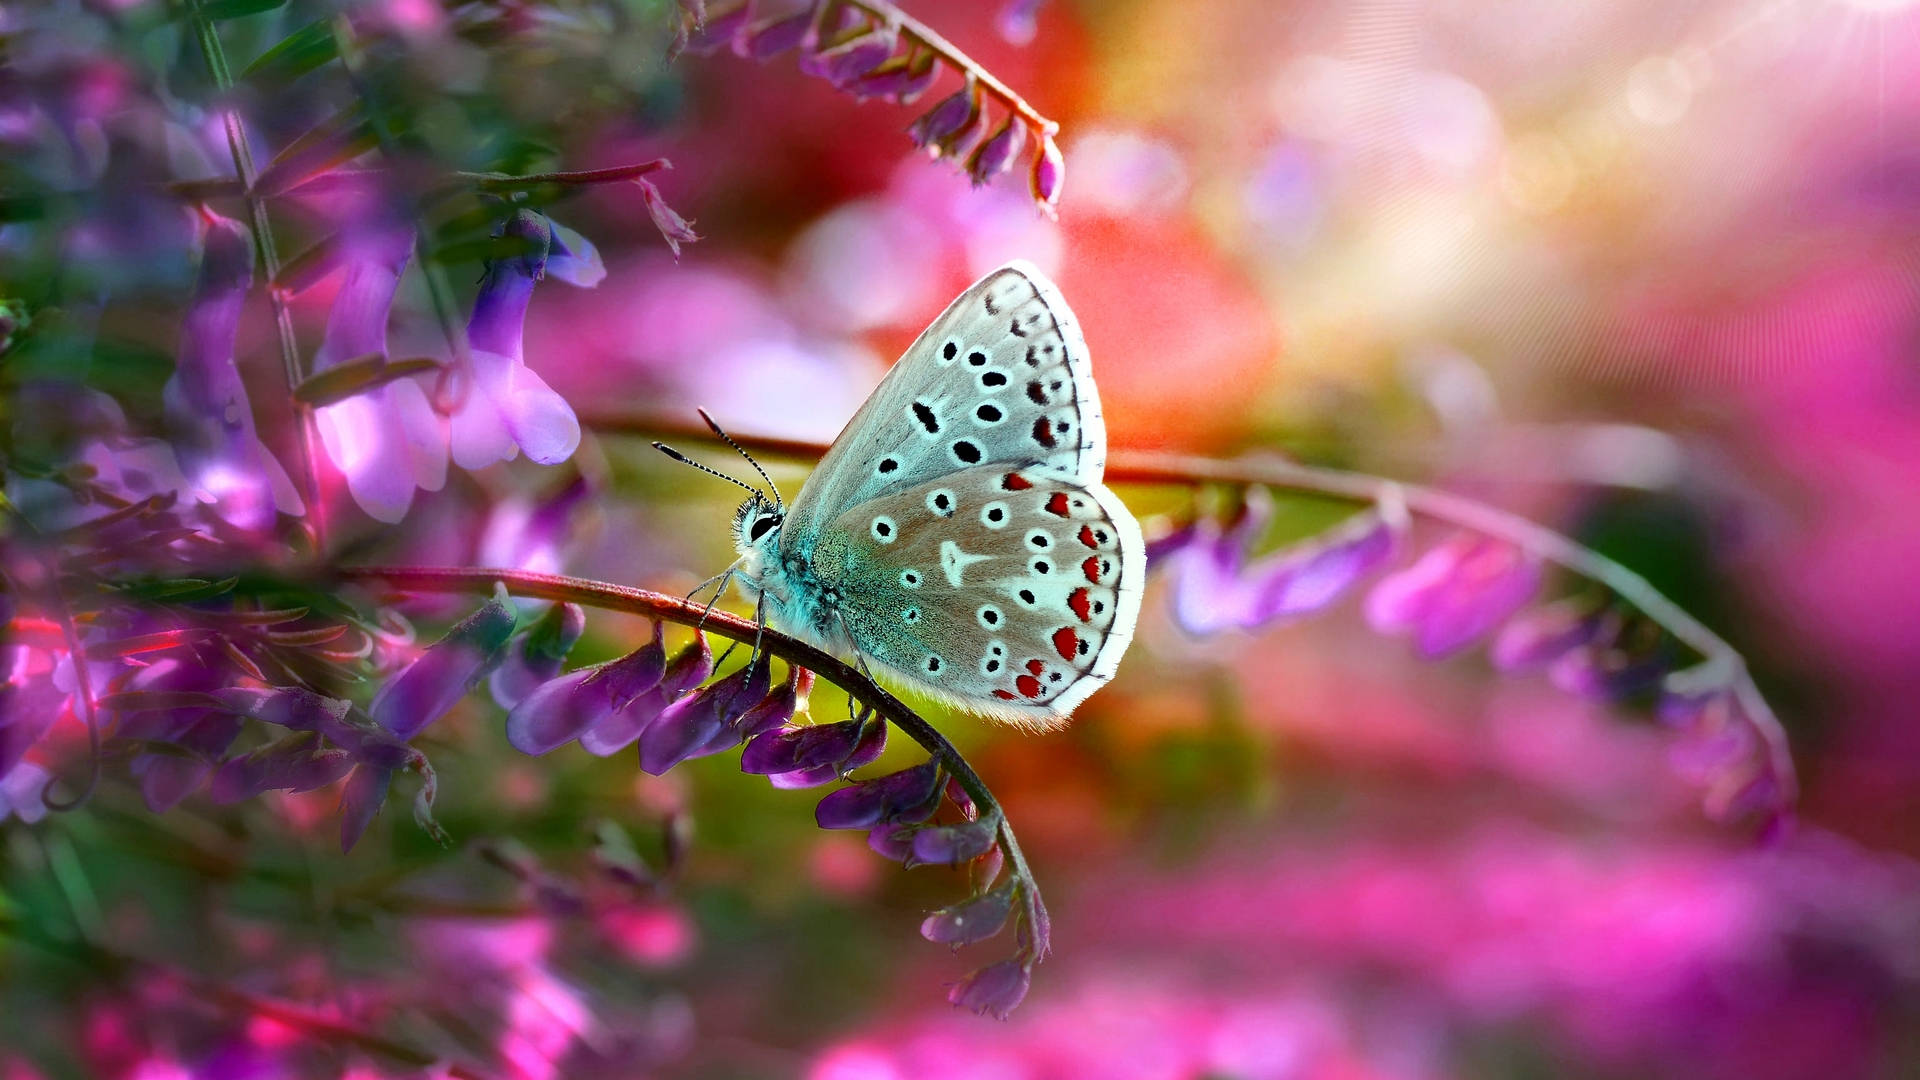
703 722
843 63
387 440
718 31
1049 169
995 990
814 755
771 37
941 128
614 731
299 766
902 79
996 155
1537 638
1215 590
208 413
365 793
562 709
1457 592
444 673
778 707
905 797
21 791
891 841
507 408
951 845
528 532
973 920
534 657
167 778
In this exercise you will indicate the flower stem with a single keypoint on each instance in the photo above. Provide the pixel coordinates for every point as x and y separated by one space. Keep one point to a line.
242 153
918 31
1154 467
611 175
674 609
455 382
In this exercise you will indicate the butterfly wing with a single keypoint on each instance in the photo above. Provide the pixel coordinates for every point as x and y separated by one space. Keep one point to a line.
1001 377
1007 591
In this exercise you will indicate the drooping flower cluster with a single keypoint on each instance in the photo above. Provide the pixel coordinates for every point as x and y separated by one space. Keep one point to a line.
660 703
874 50
1468 588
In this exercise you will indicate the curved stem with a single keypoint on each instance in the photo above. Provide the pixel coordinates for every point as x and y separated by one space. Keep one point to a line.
674 609
1155 467
926 35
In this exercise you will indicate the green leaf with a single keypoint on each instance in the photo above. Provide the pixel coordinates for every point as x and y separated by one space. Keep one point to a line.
220 10
359 375
300 52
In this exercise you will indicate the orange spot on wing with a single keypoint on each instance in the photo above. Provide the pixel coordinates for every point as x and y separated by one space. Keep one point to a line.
1066 642
1081 603
1005 695
1028 685
1036 666
1086 536
1057 504
1091 568
1013 481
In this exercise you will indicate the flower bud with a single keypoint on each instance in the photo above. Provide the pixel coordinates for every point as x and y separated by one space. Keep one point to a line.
996 155
700 723
365 792
535 657
971 921
444 673
910 795
938 129
771 37
995 990
1454 594
951 845
1533 639
901 80
1049 169
891 841
616 730
719 30
843 63
165 779
778 708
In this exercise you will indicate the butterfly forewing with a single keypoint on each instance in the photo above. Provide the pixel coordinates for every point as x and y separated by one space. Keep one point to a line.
1012 591
1001 377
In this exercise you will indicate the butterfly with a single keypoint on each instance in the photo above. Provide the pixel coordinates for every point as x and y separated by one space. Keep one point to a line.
957 536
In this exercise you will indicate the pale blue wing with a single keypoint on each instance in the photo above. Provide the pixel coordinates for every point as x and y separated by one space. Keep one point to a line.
1007 591
1001 377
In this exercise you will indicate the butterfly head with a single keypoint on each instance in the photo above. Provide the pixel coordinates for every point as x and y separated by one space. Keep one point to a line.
756 525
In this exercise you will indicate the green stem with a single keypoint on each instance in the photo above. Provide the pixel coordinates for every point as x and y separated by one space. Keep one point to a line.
242 154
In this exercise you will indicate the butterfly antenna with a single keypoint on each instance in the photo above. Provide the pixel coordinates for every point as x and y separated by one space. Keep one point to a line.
777 503
685 460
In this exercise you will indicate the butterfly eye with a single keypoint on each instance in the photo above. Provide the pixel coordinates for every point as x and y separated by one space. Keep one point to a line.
761 525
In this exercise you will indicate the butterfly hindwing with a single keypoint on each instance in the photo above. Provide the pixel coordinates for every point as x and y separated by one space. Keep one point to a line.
1011 591
1001 377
